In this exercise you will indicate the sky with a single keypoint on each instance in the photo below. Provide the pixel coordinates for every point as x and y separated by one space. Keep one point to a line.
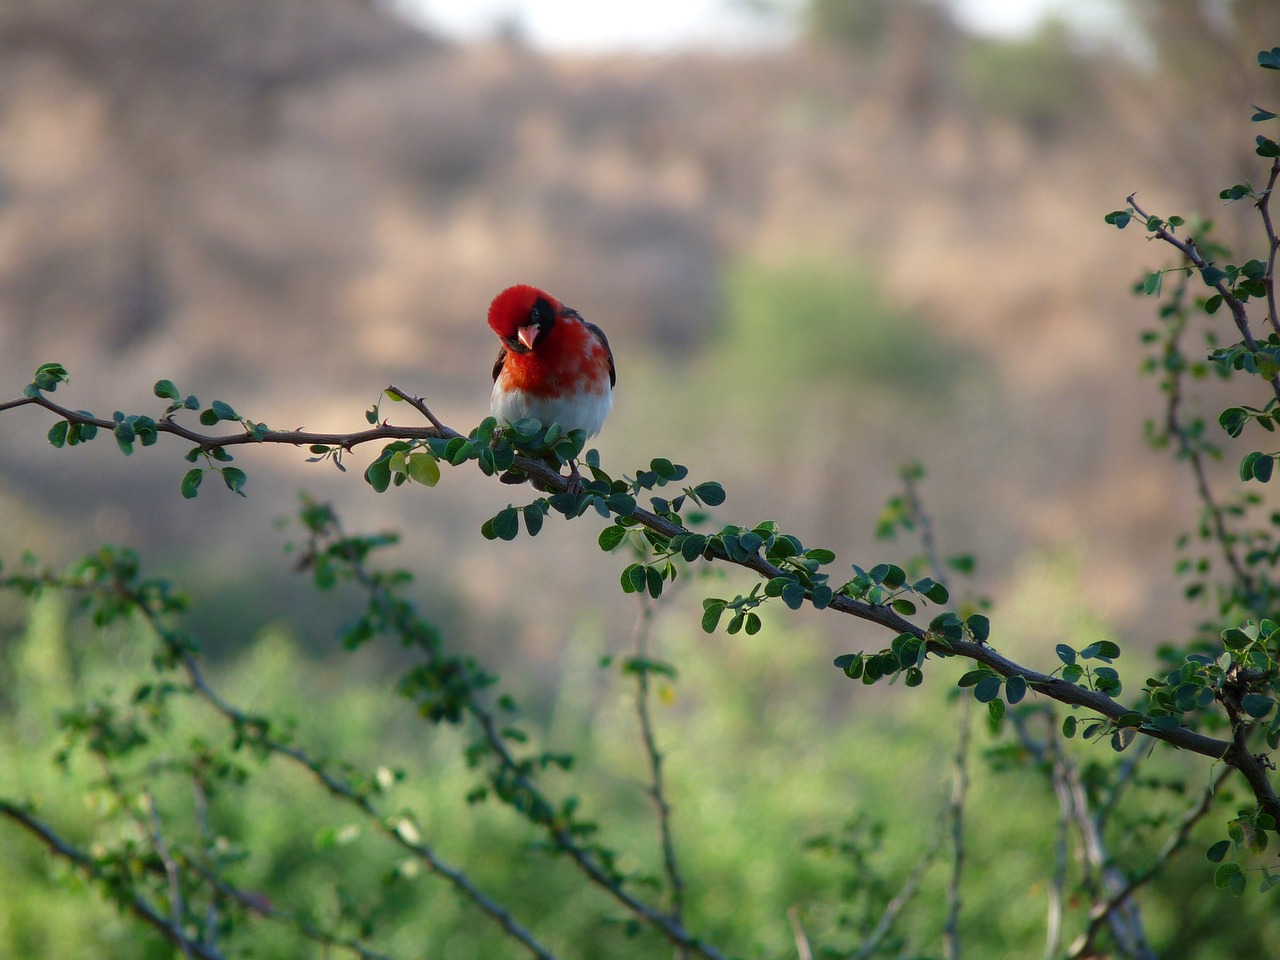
656 25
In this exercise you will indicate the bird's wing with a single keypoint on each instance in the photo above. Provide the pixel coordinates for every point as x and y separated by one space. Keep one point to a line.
502 356
613 373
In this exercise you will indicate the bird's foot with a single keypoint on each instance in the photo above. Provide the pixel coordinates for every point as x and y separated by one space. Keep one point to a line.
575 479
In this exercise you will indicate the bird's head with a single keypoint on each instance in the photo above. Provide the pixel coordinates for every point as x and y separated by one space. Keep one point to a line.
522 316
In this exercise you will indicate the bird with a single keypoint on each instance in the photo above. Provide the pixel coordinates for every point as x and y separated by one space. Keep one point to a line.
553 365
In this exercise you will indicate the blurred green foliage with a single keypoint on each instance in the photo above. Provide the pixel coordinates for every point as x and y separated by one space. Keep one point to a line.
745 716
828 325
1043 81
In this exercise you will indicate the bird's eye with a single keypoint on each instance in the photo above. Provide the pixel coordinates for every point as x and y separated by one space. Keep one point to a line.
541 314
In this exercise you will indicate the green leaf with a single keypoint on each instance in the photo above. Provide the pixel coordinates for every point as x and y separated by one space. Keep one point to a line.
191 482
424 469
653 580
633 578
692 546
1103 650
1256 466
712 610
851 664
1233 420
1256 705
663 468
378 474
996 709
903 606
1219 850
1224 873
1212 275
234 478
1015 688
1261 115
221 411
1267 147
124 435
937 593
980 628
1119 218
1069 727
821 555
1066 654
506 523
165 390
987 689
710 493
611 536
793 595
533 517
58 432
47 377
1269 59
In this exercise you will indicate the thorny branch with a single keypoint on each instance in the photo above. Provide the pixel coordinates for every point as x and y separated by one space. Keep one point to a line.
1238 313
1252 767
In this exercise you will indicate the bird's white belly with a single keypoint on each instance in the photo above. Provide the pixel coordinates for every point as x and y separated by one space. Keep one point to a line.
584 411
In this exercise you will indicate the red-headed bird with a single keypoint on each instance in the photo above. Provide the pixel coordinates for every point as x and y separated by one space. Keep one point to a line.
553 365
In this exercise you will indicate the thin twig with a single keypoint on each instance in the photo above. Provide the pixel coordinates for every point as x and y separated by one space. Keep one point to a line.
176 908
895 906
644 623
389 828
1189 250
959 792
201 798
259 905
420 405
1102 911
915 509
1194 454
133 901
803 950
669 927
1273 244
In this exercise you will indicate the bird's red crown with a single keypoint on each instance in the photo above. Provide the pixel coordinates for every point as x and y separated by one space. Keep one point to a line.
512 308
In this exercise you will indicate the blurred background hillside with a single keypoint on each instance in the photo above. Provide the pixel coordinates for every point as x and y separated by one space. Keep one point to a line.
878 240
869 235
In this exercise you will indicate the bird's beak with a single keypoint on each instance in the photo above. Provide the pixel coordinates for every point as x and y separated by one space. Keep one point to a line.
526 335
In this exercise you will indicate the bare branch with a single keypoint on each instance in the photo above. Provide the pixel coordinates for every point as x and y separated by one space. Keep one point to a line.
895 906
1273 244
176 907
955 811
803 950
1189 250
388 827
1083 946
644 623
131 900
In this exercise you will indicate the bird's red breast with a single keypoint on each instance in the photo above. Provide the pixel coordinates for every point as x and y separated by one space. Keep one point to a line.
554 365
